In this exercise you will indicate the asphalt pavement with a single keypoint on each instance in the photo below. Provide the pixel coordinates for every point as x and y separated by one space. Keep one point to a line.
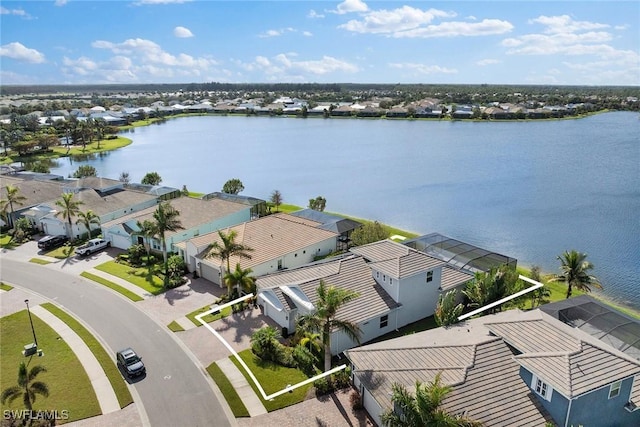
175 391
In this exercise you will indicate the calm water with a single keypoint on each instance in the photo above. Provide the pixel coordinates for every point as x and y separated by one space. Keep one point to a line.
528 190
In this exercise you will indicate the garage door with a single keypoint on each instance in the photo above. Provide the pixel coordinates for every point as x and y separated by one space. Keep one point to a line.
119 241
210 273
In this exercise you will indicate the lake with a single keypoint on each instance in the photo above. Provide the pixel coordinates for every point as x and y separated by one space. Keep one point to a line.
529 190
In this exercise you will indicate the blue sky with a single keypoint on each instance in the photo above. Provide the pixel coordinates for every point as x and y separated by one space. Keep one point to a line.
356 41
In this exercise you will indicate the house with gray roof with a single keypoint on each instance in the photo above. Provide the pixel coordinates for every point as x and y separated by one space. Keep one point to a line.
508 369
285 295
196 215
279 241
408 281
412 278
108 206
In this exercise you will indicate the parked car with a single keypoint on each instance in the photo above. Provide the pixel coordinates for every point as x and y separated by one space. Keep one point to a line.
130 362
93 245
51 242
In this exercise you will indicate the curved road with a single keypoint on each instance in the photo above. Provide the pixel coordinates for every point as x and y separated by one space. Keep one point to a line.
175 391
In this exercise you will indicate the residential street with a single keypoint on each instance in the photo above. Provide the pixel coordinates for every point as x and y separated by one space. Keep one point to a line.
175 391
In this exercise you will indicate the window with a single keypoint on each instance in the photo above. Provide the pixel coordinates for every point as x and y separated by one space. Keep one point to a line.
391 280
384 321
541 388
614 390
384 278
279 264
429 276
377 274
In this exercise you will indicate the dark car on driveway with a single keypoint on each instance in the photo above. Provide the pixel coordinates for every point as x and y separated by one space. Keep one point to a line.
130 362
51 242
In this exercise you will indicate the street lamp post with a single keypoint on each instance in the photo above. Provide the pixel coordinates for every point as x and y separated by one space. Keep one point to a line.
31 321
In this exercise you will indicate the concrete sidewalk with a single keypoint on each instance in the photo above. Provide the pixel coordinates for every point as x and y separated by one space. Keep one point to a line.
101 385
238 381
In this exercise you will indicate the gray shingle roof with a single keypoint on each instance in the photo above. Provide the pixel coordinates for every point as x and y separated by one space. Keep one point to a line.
34 191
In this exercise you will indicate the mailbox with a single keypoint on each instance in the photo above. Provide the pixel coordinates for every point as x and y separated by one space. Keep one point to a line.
30 349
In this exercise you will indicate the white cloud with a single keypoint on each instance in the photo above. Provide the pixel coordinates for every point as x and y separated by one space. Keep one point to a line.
182 32
423 69
307 33
285 66
487 61
20 52
150 52
565 24
391 21
61 2
457 29
350 6
5 11
408 21
277 33
314 15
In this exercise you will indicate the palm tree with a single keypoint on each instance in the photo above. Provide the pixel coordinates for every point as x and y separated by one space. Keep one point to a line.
240 278
227 249
276 199
148 230
13 196
87 218
423 408
166 219
324 321
70 208
26 387
575 272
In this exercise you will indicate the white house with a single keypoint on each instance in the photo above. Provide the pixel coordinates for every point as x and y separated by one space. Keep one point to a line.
279 241
397 285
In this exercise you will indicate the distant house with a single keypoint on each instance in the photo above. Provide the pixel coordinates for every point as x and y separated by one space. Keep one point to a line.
398 112
510 369
279 241
343 110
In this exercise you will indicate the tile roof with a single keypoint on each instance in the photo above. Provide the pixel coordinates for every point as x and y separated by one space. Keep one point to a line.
270 237
193 212
350 272
34 191
395 259
452 278
469 369
569 359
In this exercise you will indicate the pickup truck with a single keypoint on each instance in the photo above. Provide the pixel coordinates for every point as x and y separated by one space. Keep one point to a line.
93 245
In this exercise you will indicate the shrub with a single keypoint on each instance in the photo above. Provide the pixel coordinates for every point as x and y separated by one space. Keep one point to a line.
136 252
285 356
323 386
304 359
264 343
355 400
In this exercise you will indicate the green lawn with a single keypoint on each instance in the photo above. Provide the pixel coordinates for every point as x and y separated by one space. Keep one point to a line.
107 363
273 378
209 317
137 276
39 261
5 287
63 252
124 291
228 391
5 242
105 145
69 386
175 327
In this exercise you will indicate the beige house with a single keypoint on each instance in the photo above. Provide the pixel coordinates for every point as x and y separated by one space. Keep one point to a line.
279 241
